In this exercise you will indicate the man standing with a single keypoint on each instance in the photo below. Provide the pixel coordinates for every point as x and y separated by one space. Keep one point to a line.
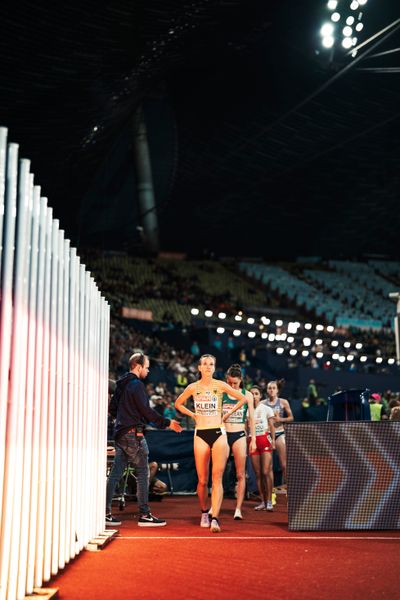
133 412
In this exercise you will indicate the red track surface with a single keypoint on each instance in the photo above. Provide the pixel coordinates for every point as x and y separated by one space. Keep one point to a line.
256 558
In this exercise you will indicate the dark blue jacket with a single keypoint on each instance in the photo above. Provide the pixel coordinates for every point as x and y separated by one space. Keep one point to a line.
133 407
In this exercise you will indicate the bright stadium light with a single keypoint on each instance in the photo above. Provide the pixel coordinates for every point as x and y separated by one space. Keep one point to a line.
319 328
250 321
335 17
362 2
208 313
358 346
283 336
350 20
252 334
379 359
391 361
236 332
335 356
330 328
350 357
347 31
319 355
292 327
359 26
327 29
220 330
305 353
271 337
346 345
290 339
279 323
307 326
354 5
222 315
280 350
265 320
306 341
293 352
238 317
332 4
194 311
264 335
328 41
347 43
334 343
342 359
363 358
318 342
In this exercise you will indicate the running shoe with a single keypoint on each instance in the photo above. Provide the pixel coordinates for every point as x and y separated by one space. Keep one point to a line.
215 526
260 506
110 520
269 506
238 515
205 520
150 520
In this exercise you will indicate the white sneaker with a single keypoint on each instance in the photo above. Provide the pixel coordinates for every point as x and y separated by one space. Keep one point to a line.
205 520
238 515
260 506
269 506
215 526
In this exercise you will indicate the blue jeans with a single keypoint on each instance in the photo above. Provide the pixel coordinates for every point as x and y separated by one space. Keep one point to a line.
131 449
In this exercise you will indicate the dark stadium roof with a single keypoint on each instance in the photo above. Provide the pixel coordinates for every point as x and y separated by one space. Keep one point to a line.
261 142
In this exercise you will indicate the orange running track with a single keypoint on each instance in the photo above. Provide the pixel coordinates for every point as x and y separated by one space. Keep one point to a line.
257 558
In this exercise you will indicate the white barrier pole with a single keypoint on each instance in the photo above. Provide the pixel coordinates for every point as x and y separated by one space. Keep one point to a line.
11 523
9 224
32 527
31 366
3 168
42 478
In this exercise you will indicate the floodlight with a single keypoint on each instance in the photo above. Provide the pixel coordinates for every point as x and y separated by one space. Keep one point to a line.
251 334
222 315
326 29
347 31
359 346
265 320
335 17
307 326
350 357
349 20
194 311
359 26
334 343
347 42
328 41
290 339
318 342
306 341
305 353
319 328
279 323
347 345
208 313
342 359
335 356
362 2
271 337
280 350
236 332
354 5
238 318
220 330
250 320
330 328
292 327
264 335
391 361
379 359
319 354
283 336
363 358
293 352
332 4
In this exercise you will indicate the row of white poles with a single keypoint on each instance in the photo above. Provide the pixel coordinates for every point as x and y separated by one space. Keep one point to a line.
54 327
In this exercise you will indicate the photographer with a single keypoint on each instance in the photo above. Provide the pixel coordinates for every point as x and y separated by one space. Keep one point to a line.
132 409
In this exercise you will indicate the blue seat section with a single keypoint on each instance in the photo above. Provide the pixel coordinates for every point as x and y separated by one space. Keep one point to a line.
343 293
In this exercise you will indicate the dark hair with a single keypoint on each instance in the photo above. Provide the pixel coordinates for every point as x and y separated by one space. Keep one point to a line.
207 356
256 387
279 383
137 358
235 371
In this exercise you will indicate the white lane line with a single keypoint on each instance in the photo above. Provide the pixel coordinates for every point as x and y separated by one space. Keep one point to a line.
253 537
